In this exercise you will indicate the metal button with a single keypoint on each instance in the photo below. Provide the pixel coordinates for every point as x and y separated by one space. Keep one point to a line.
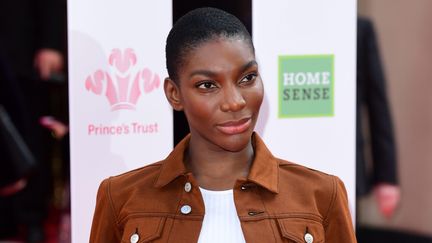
247 186
188 187
134 238
308 238
186 209
253 213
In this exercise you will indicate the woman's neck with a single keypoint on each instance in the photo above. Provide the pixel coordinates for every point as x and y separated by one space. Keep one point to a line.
215 168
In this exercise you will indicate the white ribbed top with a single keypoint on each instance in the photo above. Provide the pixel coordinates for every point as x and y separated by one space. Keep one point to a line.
221 223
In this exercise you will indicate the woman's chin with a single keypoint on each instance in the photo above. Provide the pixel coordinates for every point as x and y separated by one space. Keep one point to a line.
236 143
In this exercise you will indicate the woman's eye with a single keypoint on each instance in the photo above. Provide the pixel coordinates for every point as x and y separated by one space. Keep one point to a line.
249 78
206 85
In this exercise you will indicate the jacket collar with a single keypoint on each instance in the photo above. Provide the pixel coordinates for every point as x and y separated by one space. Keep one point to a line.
264 170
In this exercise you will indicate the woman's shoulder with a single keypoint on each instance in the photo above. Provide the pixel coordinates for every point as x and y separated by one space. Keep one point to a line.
306 178
127 190
142 176
317 190
290 173
293 168
124 185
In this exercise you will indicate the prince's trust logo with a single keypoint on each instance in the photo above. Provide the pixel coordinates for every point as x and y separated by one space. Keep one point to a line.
306 86
123 83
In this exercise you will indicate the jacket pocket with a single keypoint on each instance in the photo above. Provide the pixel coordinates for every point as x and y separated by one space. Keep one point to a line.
144 229
301 230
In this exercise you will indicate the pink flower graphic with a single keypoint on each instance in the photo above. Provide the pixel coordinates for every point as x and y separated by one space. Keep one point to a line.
124 84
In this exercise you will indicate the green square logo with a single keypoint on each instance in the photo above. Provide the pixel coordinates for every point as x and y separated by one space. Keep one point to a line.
306 86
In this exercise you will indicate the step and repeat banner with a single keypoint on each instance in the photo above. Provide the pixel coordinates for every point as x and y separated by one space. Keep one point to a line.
120 119
119 116
307 56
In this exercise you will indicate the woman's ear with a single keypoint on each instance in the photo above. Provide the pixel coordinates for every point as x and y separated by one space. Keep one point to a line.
172 93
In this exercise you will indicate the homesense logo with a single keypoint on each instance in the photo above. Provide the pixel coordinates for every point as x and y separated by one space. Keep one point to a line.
306 86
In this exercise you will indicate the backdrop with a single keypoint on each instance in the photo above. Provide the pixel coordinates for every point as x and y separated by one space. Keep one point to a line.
119 118
307 55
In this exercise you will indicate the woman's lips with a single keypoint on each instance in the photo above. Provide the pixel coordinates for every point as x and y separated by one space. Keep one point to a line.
235 127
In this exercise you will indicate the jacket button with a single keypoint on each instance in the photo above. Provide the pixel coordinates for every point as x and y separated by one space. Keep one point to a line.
253 213
134 238
186 209
188 187
308 238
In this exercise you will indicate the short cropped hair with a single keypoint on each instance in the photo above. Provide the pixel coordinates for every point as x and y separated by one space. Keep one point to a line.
195 28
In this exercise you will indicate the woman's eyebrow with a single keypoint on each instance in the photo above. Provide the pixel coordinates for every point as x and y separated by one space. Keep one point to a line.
209 73
248 65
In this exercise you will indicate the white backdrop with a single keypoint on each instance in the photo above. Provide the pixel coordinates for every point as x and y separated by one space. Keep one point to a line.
119 117
304 31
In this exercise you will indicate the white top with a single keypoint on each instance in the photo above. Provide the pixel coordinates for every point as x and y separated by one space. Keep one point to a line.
221 223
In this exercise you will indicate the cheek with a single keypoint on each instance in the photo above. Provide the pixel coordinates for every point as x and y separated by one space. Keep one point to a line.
199 109
255 96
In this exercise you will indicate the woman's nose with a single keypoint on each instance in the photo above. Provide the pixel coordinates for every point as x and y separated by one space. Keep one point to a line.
233 100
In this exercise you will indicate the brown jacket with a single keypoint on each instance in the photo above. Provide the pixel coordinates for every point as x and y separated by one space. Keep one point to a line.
279 202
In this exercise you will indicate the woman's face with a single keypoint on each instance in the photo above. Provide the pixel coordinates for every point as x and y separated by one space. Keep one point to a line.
220 91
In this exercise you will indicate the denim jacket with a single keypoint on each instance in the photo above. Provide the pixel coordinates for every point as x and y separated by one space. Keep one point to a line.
279 201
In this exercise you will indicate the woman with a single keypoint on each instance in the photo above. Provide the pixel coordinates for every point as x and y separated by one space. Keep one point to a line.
220 184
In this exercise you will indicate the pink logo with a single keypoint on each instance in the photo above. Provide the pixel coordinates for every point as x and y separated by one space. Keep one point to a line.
125 83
